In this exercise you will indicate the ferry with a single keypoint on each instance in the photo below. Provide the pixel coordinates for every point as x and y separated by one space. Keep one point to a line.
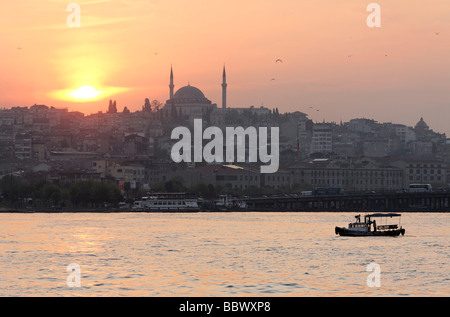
167 202
369 226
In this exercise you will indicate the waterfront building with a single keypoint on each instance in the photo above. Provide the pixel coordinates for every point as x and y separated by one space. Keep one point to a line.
422 171
362 174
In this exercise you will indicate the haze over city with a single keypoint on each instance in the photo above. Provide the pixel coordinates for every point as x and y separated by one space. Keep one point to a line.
332 65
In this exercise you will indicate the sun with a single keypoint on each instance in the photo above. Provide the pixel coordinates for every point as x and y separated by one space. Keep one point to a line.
85 93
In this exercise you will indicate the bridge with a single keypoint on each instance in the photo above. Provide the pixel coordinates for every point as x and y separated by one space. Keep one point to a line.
400 202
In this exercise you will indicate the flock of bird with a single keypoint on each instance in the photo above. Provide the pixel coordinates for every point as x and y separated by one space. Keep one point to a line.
279 60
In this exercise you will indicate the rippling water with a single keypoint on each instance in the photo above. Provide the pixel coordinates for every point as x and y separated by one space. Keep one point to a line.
219 254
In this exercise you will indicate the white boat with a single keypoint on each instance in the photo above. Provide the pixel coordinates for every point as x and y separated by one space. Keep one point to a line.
370 227
167 202
227 203
224 203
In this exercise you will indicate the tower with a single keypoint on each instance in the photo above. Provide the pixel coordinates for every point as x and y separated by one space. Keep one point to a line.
224 89
171 86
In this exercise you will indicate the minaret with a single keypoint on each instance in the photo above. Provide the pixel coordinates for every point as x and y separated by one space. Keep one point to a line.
171 86
224 89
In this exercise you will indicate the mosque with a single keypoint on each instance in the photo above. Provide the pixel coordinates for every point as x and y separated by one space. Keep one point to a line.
189 102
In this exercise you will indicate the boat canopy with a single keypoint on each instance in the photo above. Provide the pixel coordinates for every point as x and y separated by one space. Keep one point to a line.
383 215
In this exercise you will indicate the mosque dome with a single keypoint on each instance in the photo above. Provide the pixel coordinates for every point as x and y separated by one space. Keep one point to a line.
189 92
421 125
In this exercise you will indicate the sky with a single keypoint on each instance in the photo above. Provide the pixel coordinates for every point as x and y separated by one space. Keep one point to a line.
334 66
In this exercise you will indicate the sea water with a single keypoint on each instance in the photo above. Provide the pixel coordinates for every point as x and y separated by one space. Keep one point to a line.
219 254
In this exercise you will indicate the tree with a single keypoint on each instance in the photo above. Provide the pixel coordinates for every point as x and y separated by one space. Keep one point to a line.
75 194
9 186
147 107
94 193
156 105
50 194
112 107
174 185
201 189
105 193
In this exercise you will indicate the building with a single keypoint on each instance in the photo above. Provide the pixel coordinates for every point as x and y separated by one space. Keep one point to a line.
39 151
362 125
23 146
322 138
68 177
189 102
283 178
227 176
121 173
297 129
406 134
376 148
421 126
357 175
422 171
261 111
421 148
217 118
136 144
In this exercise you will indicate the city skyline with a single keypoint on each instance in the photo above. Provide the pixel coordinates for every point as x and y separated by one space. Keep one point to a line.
203 148
321 58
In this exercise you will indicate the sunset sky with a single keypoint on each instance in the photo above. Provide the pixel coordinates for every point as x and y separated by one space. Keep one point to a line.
124 50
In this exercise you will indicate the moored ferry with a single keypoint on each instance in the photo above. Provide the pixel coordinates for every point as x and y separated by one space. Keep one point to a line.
167 202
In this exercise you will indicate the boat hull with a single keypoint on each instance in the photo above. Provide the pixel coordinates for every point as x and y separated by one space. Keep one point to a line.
167 210
353 233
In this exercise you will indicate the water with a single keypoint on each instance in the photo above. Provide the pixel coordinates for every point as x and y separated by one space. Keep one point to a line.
219 254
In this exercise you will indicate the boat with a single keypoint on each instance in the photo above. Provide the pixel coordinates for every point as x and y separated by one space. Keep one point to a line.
226 203
370 228
167 202
239 205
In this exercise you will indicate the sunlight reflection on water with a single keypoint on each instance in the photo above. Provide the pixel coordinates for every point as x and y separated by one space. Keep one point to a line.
219 254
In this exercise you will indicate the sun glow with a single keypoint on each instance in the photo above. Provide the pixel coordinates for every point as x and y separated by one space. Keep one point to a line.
85 93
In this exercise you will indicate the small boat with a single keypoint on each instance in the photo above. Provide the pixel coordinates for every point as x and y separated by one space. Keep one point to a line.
370 228
224 203
227 203
239 205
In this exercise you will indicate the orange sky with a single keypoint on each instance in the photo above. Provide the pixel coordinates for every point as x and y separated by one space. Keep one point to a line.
124 48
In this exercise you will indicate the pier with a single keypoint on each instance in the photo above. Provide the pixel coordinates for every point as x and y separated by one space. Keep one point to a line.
401 202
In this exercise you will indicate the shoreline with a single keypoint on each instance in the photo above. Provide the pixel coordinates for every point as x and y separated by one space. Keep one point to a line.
119 211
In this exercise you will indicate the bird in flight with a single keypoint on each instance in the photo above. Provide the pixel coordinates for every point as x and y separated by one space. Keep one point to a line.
278 60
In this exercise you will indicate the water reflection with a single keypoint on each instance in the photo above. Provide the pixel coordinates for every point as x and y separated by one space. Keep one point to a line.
229 254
